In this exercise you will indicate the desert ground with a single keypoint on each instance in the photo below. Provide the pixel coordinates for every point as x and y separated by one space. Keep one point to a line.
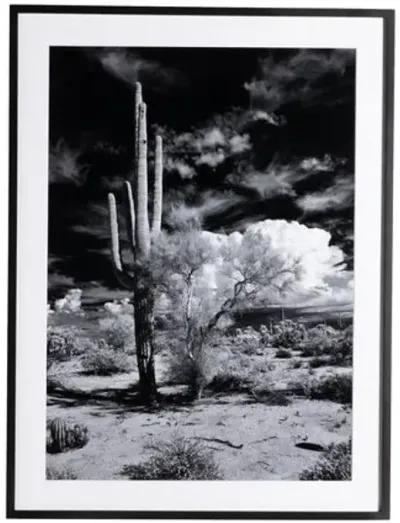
257 419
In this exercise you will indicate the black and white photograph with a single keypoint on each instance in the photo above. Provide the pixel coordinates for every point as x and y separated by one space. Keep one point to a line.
199 272
200 264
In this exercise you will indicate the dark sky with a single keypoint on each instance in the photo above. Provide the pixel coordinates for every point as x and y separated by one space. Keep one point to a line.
249 134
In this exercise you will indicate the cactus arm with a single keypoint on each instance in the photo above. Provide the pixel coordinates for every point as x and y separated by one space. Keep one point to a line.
157 196
138 101
122 276
130 216
141 193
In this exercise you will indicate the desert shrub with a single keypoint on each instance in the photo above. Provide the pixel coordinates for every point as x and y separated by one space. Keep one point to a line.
266 336
320 340
270 397
64 472
334 465
117 307
296 364
336 387
119 331
342 355
229 382
283 354
179 459
248 339
63 435
101 360
318 361
194 369
285 333
325 340
63 343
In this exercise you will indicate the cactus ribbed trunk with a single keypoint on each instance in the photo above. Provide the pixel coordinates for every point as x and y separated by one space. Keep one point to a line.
139 239
157 198
144 334
141 192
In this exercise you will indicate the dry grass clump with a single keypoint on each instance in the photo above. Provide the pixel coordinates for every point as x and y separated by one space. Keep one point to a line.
64 472
229 382
102 360
334 465
283 354
178 459
336 387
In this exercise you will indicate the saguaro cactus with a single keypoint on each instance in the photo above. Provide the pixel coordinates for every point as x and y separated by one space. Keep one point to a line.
140 237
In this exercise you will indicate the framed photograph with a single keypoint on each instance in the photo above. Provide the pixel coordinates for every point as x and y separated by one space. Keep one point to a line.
200 262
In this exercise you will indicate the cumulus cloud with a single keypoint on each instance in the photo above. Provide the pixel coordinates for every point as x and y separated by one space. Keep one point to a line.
210 138
325 164
211 158
56 279
338 289
211 144
239 143
70 303
185 171
296 78
322 275
338 196
271 118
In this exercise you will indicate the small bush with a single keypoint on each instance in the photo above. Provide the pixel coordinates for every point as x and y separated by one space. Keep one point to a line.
318 361
62 344
344 348
325 340
64 435
334 465
248 340
287 334
119 331
283 354
101 360
296 364
337 387
194 370
180 459
229 382
270 397
60 473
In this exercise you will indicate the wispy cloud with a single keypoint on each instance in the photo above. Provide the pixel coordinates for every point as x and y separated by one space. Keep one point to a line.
272 118
65 164
211 144
296 78
337 196
210 203
281 179
131 67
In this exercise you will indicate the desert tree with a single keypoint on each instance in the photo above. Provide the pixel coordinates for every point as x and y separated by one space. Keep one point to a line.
209 277
141 236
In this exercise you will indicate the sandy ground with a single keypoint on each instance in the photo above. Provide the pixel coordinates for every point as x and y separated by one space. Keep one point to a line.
122 433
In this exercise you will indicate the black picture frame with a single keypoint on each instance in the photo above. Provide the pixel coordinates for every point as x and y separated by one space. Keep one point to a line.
388 18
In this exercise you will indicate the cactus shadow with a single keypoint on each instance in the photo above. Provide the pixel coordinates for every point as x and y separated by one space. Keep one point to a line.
116 401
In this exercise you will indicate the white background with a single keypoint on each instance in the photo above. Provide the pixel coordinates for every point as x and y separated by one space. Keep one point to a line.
3 212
